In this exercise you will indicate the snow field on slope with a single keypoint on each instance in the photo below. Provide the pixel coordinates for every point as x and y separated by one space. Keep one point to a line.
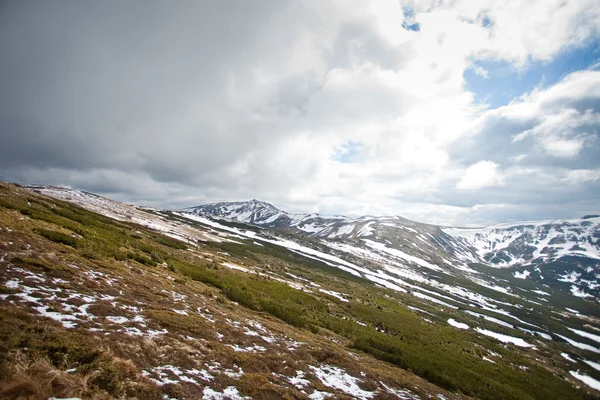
499 237
588 380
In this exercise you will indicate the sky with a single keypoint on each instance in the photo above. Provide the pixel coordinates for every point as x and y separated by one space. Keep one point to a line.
453 112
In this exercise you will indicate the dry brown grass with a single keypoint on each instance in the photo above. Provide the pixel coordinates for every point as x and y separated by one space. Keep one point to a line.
35 378
259 386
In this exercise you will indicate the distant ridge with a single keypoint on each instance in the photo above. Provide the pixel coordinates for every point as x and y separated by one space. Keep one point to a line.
561 247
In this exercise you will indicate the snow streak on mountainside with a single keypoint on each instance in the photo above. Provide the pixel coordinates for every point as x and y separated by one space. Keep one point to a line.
531 242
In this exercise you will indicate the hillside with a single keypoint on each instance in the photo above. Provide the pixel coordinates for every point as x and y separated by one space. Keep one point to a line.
104 300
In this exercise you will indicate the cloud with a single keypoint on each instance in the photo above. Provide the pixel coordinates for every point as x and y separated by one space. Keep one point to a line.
481 175
554 125
331 105
555 134
517 158
579 176
482 72
514 30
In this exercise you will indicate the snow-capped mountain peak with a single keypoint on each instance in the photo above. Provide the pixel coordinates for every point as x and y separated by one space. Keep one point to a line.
265 214
252 211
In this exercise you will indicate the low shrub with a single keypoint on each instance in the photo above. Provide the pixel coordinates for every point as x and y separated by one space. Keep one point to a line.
58 237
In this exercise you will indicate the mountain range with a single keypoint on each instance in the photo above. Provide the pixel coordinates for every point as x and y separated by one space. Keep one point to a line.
562 253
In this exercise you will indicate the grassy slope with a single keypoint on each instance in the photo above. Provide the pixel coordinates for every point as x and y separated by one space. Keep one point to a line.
49 236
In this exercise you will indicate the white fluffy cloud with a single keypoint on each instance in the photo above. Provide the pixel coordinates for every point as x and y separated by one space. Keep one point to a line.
480 175
335 106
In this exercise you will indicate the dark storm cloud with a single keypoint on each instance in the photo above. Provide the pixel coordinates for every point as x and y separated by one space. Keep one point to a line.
106 84
356 42
494 142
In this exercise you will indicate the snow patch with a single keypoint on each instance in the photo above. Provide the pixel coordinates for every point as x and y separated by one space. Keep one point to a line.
491 319
579 345
578 292
595 338
337 295
403 255
588 380
229 393
457 324
433 299
337 378
592 364
236 267
298 381
504 338
521 275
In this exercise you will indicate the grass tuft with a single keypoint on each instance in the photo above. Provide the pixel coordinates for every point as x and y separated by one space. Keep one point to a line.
36 378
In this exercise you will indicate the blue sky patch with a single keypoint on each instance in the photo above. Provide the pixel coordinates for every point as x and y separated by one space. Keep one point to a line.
504 82
409 20
347 152
486 22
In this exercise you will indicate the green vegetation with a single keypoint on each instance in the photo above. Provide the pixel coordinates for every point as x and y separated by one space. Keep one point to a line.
167 241
258 293
58 237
